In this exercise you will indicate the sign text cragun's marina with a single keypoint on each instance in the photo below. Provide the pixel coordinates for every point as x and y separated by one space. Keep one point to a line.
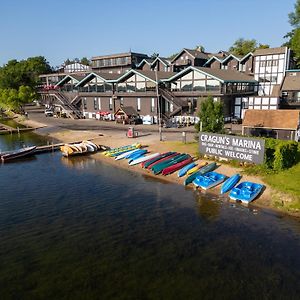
232 147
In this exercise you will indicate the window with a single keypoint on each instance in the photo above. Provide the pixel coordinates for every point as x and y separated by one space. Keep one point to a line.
95 104
99 103
110 104
138 104
84 103
152 104
262 63
121 101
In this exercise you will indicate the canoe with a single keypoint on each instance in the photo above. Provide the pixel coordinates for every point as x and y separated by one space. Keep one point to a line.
183 170
9 155
208 180
177 166
143 158
91 146
146 163
203 170
123 155
176 159
230 183
245 191
196 168
120 151
137 155
164 158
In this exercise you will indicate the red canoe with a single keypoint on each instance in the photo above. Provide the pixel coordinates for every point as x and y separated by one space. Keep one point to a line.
161 160
177 166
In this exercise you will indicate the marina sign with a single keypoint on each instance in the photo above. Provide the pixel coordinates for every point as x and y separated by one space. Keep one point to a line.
232 147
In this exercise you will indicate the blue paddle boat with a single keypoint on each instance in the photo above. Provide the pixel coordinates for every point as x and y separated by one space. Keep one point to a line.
209 180
245 191
183 170
230 183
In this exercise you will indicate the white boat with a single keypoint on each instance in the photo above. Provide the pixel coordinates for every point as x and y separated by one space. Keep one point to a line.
143 158
91 144
90 148
123 155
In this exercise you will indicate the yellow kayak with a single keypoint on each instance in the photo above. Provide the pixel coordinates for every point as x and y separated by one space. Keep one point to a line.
68 149
196 168
121 149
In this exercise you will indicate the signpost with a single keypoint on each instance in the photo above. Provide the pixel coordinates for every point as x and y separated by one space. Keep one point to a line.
232 147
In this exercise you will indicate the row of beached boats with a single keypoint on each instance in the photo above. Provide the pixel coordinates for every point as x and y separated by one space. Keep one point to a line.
200 174
79 148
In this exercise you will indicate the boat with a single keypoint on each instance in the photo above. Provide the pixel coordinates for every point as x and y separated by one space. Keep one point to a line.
208 168
143 158
124 154
174 160
245 191
9 155
91 146
136 155
165 158
196 168
208 180
146 163
121 149
183 170
177 166
230 183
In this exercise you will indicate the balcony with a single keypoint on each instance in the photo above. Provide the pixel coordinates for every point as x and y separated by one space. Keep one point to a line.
286 102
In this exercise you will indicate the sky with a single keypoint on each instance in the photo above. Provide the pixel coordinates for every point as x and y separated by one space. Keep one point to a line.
61 29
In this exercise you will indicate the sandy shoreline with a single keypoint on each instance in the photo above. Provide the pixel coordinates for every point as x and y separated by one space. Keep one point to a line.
152 144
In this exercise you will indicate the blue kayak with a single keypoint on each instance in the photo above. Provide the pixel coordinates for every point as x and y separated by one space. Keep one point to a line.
245 191
209 180
230 183
183 171
130 155
136 155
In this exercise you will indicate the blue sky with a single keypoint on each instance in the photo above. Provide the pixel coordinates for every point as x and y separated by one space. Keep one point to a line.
61 29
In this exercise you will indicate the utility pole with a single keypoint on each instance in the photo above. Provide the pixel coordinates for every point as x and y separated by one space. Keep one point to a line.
158 108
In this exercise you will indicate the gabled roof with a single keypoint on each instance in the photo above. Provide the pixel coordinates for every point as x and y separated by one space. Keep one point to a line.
246 56
212 59
69 77
107 77
147 61
163 60
128 110
236 57
193 53
291 83
219 74
149 75
277 119
268 51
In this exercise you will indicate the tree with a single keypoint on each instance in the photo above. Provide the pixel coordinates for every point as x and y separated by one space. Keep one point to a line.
263 46
295 46
200 48
242 46
294 17
85 61
211 116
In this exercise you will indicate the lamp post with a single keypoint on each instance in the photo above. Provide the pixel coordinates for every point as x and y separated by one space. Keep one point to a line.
158 108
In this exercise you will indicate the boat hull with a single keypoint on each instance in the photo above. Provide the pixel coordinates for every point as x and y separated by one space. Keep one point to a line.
177 166
208 168
10 155
246 191
230 183
208 180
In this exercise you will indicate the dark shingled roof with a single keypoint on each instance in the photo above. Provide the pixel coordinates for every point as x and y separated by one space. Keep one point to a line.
267 51
128 110
277 119
197 54
291 83
228 75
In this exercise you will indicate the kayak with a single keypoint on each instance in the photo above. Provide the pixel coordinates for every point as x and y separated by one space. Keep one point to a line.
138 151
124 154
136 155
230 183
183 170
176 159
177 166
121 149
162 160
196 168
203 170
208 180
143 158
145 164
245 191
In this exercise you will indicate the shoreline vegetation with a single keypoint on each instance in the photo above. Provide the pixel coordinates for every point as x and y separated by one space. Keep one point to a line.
281 192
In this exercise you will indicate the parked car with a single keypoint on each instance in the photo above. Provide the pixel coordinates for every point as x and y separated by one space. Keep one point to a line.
49 112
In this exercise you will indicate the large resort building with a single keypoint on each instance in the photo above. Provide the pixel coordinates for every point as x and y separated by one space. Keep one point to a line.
175 87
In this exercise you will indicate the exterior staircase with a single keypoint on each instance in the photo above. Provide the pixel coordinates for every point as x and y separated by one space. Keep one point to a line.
69 108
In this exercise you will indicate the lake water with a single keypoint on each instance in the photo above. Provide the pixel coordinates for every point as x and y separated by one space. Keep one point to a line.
81 229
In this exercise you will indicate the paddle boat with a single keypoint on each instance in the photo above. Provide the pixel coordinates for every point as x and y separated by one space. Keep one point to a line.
177 166
9 155
230 183
196 168
183 170
245 191
208 180
143 158
203 170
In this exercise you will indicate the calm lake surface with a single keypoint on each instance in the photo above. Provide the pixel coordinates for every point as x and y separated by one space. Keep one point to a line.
80 229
